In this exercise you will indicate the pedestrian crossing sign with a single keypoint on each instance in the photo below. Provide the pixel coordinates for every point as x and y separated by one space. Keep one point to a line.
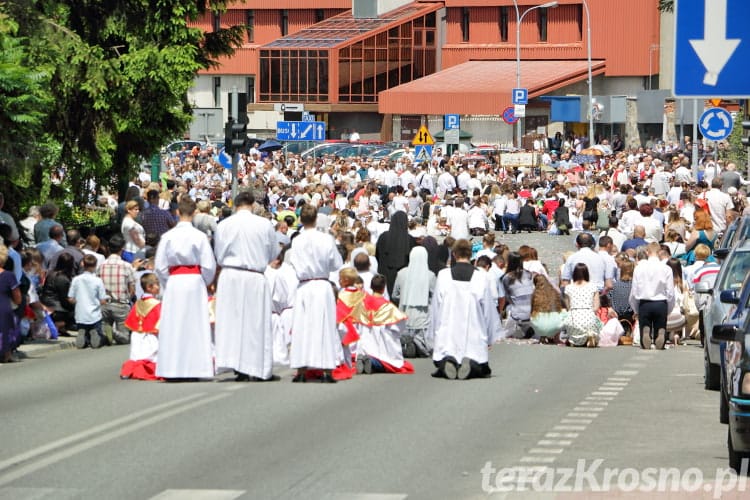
423 137
422 153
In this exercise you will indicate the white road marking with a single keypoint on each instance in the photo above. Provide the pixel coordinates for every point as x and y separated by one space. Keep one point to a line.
619 379
199 494
587 408
576 421
633 365
604 393
594 403
41 450
540 460
613 388
68 452
543 451
569 428
554 442
561 435
584 415
600 398
627 373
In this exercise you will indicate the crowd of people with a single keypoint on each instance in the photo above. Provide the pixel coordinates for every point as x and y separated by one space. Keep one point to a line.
340 266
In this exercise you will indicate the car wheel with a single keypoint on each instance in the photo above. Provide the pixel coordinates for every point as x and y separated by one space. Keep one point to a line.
723 405
711 372
735 458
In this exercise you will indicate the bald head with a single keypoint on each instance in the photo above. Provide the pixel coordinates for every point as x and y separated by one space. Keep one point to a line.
639 232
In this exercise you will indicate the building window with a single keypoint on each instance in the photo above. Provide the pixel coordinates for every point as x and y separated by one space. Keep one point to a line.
284 22
504 24
465 24
250 25
579 20
217 92
216 21
542 22
320 15
250 84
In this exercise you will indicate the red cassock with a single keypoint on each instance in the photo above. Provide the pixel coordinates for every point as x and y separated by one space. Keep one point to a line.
143 318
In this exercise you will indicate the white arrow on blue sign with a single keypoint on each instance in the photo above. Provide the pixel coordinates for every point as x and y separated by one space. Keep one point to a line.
712 47
716 124
300 131
520 96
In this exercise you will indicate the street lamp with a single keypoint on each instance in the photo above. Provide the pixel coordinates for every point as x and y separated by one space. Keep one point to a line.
590 81
519 19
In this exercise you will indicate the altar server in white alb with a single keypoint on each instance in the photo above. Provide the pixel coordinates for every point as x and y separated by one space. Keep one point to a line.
315 340
283 281
245 244
185 266
462 309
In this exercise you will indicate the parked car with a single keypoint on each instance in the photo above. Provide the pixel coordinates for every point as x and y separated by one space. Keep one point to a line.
730 277
175 147
734 336
328 148
361 150
738 230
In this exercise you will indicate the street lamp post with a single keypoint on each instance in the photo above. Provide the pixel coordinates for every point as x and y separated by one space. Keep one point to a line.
519 19
590 81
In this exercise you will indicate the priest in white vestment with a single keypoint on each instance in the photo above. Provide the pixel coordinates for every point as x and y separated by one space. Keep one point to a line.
244 245
462 319
315 339
185 266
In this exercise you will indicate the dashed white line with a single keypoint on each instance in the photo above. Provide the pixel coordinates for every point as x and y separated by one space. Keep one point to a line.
584 415
542 460
594 403
628 373
554 442
604 393
545 451
613 388
588 408
575 421
572 435
633 365
569 428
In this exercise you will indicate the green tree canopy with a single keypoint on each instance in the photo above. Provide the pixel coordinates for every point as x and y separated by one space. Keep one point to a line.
118 72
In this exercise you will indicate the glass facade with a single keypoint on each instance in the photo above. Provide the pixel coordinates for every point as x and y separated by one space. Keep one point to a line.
297 68
294 76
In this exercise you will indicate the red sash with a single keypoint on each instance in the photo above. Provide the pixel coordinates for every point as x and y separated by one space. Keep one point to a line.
184 270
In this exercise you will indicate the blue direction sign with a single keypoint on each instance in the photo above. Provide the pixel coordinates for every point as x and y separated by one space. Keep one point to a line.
711 48
716 124
520 96
452 122
422 153
301 131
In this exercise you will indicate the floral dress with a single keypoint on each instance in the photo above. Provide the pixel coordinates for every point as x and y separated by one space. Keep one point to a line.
582 320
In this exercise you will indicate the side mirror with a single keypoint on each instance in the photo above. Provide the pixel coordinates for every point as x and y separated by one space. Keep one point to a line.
702 287
727 333
729 297
721 253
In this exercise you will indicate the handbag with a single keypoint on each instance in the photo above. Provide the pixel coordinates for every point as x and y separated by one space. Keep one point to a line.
688 305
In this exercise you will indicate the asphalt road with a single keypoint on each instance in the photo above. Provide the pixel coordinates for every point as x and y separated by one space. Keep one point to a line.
72 429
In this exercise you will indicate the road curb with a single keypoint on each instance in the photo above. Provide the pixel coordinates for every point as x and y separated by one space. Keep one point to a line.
47 347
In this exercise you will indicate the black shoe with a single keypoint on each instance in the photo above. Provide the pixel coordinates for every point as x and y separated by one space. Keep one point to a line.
450 369
300 377
464 370
242 377
327 378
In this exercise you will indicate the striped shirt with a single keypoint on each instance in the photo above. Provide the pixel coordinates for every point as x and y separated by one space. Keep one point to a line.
118 277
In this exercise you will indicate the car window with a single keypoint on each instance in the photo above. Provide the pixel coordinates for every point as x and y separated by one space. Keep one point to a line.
736 271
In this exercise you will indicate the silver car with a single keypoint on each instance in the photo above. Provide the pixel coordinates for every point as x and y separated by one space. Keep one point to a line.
733 270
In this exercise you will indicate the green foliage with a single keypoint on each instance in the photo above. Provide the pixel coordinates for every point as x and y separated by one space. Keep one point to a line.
112 79
736 152
91 217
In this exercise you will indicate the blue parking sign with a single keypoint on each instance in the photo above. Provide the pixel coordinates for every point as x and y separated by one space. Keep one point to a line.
520 96
711 48
452 122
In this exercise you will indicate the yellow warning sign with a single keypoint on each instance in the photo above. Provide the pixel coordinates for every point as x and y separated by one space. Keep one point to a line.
423 137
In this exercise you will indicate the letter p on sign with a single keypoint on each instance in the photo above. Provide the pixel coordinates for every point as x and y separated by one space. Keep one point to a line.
520 96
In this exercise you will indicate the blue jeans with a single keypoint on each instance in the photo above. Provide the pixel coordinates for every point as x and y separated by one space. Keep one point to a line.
511 222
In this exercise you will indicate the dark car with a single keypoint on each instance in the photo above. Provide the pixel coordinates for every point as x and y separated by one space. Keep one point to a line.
734 336
715 312
738 230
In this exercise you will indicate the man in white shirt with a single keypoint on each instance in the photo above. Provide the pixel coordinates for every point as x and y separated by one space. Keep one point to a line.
595 263
653 228
652 296
458 219
446 183
719 204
